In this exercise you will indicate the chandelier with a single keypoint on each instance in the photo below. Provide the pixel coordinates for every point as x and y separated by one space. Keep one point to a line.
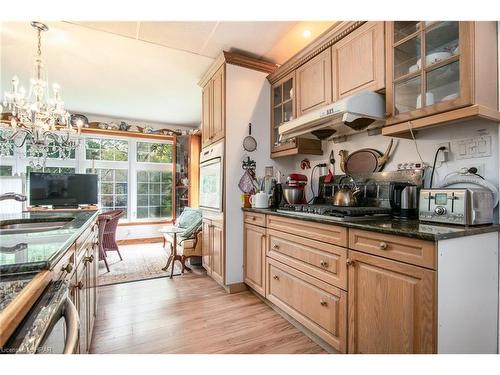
35 119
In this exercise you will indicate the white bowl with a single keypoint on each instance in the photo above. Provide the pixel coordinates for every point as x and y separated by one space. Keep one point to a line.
434 58
413 68
450 97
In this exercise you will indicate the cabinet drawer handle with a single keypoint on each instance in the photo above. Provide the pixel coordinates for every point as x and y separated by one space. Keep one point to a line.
276 247
382 245
68 268
323 303
254 218
349 262
276 277
323 263
89 259
80 285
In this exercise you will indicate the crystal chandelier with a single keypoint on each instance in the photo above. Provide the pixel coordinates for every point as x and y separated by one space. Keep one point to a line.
36 120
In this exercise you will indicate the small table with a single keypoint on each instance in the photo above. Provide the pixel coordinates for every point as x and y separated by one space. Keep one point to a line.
173 255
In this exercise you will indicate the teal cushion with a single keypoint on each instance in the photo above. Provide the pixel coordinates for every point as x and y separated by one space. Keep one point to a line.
188 217
191 230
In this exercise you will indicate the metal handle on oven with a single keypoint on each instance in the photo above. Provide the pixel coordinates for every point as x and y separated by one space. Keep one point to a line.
72 325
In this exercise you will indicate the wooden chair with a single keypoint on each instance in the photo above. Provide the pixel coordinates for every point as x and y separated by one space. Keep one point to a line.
108 221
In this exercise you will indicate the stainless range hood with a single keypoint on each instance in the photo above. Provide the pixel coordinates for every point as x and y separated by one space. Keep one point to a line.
350 115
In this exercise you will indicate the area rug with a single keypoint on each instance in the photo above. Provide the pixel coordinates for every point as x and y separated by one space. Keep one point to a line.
140 262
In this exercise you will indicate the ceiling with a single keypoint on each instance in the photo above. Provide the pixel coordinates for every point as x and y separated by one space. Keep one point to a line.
142 70
272 40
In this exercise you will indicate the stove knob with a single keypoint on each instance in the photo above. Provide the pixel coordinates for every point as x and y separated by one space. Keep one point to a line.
439 210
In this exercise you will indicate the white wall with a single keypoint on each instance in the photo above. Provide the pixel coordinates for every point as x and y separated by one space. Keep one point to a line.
247 100
404 150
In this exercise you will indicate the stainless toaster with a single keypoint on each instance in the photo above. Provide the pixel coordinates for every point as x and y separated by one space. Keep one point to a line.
463 206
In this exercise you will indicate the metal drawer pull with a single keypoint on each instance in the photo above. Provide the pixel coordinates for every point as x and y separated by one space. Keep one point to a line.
349 262
276 277
254 218
68 268
382 245
276 247
323 263
323 303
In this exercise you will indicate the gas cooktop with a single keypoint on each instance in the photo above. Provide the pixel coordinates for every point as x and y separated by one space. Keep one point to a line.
337 213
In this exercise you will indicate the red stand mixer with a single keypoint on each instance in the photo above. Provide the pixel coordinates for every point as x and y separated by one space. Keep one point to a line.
295 189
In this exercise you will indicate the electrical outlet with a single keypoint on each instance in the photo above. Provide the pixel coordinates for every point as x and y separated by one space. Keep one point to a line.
478 166
443 155
477 147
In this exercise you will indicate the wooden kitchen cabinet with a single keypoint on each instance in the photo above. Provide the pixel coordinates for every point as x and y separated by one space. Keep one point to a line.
392 306
314 83
254 257
206 252
438 67
283 109
206 117
213 249
213 108
358 61
84 283
320 307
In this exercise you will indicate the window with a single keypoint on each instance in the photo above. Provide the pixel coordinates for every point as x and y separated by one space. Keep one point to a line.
5 170
52 153
154 194
135 175
106 149
112 189
154 152
50 170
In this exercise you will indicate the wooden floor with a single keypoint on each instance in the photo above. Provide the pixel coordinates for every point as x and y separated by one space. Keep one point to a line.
190 314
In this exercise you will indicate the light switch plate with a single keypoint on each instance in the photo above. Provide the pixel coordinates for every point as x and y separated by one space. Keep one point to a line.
477 147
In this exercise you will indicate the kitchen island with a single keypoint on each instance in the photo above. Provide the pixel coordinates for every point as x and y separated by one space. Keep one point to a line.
38 250
379 285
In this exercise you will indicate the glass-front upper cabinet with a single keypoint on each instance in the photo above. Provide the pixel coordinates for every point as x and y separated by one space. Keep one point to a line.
428 68
283 110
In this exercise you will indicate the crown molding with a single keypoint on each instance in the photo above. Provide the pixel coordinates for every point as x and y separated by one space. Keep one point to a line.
331 36
240 60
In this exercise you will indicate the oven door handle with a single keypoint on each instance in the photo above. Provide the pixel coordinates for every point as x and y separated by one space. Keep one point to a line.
72 327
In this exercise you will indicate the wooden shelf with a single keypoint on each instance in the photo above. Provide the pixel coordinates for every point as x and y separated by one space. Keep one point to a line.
120 133
467 113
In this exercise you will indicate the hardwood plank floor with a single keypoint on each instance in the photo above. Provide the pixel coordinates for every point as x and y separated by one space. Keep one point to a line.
190 314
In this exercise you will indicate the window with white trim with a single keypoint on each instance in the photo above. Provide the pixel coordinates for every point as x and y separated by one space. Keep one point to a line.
133 174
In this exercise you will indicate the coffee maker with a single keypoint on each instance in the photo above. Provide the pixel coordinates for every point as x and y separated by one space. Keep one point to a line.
404 200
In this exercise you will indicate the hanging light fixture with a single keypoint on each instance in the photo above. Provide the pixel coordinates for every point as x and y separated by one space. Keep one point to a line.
37 119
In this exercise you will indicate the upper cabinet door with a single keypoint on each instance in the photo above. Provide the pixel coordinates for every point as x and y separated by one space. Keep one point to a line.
428 68
359 61
218 104
314 83
206 126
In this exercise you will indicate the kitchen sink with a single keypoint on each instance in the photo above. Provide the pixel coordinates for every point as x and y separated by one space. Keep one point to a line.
32 225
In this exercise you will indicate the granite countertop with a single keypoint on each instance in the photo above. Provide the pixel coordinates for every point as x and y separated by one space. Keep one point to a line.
30 332
406 228
31 252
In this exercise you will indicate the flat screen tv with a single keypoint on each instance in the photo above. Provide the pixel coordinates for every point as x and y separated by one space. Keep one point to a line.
62 190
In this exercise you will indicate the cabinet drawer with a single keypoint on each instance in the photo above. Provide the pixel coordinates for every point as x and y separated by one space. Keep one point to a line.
320 307
408 250
324 261
255 219
331 234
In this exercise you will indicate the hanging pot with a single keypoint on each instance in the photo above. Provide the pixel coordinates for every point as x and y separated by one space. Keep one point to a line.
249 143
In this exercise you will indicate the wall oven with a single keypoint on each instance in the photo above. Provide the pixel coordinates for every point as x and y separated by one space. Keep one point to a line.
211 177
